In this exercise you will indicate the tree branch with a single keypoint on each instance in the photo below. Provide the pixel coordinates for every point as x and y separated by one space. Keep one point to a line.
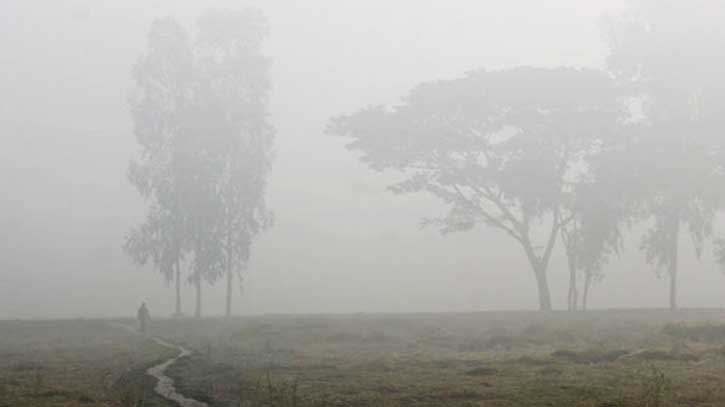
555 225
487 216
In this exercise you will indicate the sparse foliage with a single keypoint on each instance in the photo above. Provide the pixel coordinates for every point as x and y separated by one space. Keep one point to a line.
671 144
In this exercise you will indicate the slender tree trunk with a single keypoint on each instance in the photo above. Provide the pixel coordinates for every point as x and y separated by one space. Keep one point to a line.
230 278
573 293
539 264
673 266
197 311
585 295
673 288
178 290
542 284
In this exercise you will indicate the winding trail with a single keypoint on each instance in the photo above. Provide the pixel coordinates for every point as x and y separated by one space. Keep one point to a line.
164 384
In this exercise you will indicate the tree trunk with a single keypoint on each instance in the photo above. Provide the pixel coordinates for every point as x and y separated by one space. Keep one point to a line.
539 264
230 267
585 295
197 311
573 293
178 290
673 288
542 284
673 263
230 278
673 269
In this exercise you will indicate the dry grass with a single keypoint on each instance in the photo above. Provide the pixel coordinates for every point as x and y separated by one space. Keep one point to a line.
69 363
599 359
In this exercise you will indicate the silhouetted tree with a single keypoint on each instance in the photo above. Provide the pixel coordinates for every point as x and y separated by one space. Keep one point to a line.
236 83
200 167
665 56
720 252
164 78
501 148
201 121
592 236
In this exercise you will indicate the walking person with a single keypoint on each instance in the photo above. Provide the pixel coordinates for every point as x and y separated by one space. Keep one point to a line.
143 317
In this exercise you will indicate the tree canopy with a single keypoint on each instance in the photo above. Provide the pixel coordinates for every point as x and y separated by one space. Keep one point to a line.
499 148
200 119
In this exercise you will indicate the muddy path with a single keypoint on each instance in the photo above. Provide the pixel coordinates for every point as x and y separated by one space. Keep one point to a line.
165 386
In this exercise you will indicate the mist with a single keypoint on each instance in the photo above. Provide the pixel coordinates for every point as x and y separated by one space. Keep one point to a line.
340 241
326 203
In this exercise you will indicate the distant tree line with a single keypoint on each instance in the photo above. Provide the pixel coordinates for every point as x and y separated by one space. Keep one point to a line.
200 118
572 156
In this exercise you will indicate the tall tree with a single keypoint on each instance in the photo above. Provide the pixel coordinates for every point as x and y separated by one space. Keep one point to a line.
164 78
236 83
199 167
500 148
201 120
666 58
593 235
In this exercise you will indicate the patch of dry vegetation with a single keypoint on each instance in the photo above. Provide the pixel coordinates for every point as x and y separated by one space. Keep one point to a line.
598 359
70 363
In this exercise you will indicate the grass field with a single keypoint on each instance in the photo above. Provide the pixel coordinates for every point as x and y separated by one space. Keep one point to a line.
595 359
73 363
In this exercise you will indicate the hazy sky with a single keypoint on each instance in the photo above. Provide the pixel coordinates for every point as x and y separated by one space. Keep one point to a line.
341 243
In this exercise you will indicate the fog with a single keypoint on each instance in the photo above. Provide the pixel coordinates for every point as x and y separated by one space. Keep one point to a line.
340 242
